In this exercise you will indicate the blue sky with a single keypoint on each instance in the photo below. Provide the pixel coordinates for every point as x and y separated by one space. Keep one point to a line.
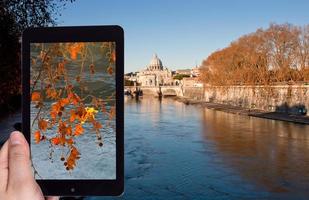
182 32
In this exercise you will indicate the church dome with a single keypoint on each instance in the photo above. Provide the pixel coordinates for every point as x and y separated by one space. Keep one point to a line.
155 63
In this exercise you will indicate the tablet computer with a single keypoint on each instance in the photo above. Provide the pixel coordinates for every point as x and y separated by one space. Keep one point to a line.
72 82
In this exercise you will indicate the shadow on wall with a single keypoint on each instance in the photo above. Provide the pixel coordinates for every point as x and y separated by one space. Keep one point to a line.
297 109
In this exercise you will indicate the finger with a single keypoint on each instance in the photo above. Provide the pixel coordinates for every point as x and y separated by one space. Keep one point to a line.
20 172
4 166
52 198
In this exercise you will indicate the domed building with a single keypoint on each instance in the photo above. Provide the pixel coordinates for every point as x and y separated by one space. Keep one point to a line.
155 63
155 74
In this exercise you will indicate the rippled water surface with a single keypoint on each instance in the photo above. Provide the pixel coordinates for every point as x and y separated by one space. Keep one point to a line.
177 151
95 162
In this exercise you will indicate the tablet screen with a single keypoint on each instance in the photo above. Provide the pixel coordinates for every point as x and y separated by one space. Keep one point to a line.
72 90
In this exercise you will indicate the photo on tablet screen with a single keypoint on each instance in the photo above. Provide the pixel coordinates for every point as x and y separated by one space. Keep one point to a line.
73 100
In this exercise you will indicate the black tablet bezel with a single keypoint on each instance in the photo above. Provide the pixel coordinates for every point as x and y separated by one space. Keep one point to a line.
78 34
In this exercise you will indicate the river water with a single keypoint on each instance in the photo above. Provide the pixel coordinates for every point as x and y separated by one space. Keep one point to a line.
178 151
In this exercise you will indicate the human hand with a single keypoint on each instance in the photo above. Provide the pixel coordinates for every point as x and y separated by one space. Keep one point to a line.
16 176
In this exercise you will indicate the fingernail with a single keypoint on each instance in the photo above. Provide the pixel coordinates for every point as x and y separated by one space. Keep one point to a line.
15 138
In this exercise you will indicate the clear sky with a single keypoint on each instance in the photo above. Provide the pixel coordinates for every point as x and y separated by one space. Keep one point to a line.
182 32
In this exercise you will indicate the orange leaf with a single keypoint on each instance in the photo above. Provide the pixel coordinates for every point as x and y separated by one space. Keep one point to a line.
81 113
51 93
55 140
72 116
74 152
54 110
53 114
64 101
42 124
73 52
37 136
71 160
78 130
55 107
36 96
62 128
62 139
110 70
97 125
74 98
75 49
73 55
113 56
69 130
70 141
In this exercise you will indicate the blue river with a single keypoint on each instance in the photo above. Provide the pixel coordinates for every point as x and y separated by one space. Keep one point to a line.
178 151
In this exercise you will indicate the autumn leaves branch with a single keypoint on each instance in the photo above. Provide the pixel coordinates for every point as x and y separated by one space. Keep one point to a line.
65 119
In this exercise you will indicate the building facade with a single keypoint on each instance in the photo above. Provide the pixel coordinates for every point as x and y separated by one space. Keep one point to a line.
155 74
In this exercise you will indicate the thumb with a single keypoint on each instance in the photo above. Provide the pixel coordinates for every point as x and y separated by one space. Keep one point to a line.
20 172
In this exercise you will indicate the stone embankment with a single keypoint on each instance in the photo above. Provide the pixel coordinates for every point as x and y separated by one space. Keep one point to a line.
247 111
280 102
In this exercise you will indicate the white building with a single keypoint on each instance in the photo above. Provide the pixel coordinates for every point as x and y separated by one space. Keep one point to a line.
155 74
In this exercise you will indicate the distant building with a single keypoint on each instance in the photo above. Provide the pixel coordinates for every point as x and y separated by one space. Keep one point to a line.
194 72
130 76
155 74
183 72
194 79
191 82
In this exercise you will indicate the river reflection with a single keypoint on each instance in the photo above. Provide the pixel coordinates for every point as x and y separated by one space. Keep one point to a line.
273 154
178 151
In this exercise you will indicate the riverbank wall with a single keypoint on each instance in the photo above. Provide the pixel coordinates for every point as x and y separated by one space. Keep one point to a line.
291 99
194 93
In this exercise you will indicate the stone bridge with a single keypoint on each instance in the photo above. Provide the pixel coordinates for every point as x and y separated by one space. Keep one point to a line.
155 90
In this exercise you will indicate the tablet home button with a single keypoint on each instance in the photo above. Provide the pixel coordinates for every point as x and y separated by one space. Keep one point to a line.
72 189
